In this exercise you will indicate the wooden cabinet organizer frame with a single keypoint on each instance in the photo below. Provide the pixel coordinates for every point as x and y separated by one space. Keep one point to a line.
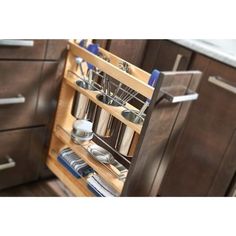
170 102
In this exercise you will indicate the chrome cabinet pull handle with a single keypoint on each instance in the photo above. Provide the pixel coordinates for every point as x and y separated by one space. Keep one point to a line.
16 43
13 100
189 96
222 83
11 163
177 62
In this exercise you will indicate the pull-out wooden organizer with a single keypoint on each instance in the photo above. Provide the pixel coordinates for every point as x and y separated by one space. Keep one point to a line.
170 102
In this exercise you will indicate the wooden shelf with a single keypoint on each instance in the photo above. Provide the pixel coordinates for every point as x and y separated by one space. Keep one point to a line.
77 186
102 170
115 111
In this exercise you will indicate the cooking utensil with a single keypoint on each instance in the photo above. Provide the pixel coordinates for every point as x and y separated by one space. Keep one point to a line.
82 104
125 67
73 163
83 43
105 157
152 82
93 48
80 60
101 154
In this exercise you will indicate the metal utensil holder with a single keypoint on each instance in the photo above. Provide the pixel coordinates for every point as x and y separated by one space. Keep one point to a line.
83 107
114 116
81 103
127 137
109 100
105 123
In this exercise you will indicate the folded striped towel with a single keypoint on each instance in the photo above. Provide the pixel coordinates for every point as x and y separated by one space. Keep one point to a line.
73 163
99 187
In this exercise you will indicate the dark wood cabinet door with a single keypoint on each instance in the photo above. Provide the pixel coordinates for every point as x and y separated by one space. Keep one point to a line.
34 52
225 178
103 43
166 56
56 49
20 156
19 80
207 134
129 50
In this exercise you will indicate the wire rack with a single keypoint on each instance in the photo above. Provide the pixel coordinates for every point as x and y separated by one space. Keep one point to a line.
125 95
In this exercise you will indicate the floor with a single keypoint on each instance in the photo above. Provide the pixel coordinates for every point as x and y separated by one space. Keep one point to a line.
45 188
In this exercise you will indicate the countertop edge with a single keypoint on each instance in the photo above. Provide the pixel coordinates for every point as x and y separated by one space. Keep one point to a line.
207 50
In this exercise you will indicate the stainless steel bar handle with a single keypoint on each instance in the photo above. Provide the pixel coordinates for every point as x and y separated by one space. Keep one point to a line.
11 163
222 83
177 62
189 96
16 43
13 100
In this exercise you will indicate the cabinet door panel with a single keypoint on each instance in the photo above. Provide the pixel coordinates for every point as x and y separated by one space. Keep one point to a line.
19 78
150 56
56 49
226 174
130 50
206 137
166 56
25 148
35 52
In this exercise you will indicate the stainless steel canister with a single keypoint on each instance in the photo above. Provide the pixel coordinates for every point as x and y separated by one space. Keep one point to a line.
81 104
127 137
104 122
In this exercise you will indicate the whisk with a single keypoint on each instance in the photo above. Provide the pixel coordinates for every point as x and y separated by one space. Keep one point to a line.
127 93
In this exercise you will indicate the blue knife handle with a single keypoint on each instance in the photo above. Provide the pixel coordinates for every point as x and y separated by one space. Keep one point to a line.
93 48
153 79
81 43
